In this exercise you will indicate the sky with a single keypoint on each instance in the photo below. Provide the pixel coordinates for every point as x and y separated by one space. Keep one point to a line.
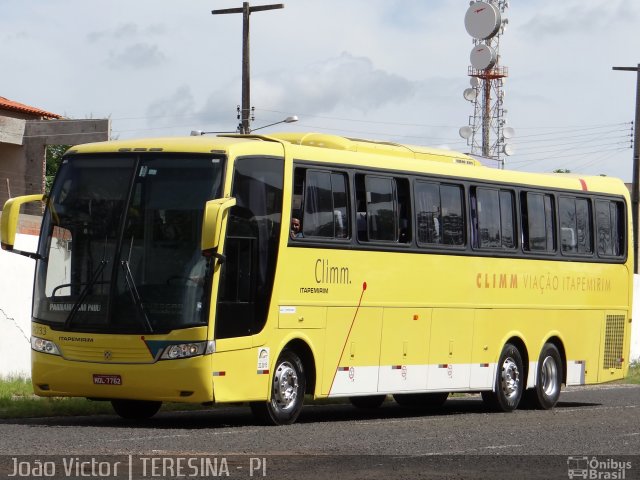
391 70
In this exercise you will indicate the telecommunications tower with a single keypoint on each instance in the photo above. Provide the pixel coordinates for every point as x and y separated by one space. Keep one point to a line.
487 133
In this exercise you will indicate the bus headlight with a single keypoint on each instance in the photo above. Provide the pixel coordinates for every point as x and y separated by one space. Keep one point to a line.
186 350
44 346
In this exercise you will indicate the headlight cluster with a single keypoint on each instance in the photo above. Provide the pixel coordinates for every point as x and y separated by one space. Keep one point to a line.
44 346
186 350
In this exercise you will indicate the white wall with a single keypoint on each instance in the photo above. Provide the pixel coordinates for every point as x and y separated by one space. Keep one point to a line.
16 287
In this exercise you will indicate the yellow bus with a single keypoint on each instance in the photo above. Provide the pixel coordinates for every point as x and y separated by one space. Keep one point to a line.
167 271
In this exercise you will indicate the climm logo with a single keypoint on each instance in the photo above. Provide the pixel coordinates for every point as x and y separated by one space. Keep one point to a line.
330 274
497 280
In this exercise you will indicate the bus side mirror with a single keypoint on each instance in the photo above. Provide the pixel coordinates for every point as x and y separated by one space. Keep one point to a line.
212 222
9 222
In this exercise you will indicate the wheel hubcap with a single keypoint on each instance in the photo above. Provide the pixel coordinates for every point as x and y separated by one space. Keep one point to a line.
510 378
549 373
285 386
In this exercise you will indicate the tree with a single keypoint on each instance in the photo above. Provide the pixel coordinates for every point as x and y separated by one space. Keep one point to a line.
54 155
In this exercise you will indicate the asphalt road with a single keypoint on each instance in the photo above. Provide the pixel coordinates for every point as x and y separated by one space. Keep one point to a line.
460 440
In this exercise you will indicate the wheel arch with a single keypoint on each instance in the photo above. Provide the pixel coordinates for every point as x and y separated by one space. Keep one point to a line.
301 348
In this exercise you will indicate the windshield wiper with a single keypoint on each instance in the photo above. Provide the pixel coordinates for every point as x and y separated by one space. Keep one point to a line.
135 296
133 290
84 293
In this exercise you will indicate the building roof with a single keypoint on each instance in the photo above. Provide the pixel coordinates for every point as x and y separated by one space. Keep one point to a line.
6 104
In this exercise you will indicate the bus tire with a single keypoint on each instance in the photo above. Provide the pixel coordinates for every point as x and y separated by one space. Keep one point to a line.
287 392
367 402
546 393
509 382
136 409
421 400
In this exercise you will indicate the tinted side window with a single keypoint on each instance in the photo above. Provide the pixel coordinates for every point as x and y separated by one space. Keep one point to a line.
340 205
381 209
439 214
538 222
507 220
488 214
494 222
610 228
320 204
575 225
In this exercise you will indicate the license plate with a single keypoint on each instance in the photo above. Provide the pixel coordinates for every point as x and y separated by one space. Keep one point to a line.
107 379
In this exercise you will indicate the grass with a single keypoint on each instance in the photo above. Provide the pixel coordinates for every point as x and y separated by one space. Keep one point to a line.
634 374
18 401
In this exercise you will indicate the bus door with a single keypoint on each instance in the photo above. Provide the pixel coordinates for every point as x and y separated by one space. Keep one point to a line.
250 252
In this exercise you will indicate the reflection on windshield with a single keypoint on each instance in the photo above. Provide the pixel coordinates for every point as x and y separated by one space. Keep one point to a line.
121 243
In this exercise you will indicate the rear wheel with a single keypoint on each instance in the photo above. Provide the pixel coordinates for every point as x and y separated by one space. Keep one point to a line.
367 402
421 400
287 392
136 409
509 382
549 379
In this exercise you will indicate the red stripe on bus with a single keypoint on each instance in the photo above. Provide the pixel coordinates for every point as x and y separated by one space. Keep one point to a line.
584 184
364 288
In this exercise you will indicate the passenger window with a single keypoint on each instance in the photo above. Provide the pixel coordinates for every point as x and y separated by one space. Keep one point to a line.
494 223
382 217
538 222
575 225
321 204
610 227
439 214
383 209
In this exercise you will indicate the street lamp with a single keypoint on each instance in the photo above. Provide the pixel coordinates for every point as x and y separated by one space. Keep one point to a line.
292 119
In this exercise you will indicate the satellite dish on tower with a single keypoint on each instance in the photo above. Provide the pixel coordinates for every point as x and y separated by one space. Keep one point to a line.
474 81
482 20
465 132
508 132
508 150
483 57
470 94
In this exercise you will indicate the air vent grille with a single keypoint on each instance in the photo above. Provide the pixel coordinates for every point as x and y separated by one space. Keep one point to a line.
613 341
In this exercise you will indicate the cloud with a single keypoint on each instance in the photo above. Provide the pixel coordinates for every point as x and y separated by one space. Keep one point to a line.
580 18
346 81
178 104
122 31
138 55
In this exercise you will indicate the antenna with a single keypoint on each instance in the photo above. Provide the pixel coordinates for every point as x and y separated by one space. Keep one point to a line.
485 22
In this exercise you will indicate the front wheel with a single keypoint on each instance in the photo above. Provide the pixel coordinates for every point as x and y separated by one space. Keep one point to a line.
136 409
546 393
287 392
509 382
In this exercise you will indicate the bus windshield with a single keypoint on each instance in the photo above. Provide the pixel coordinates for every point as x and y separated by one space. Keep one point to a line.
120 243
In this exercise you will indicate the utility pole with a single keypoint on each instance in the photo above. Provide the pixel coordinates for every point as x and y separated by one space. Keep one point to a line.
635 188
246 10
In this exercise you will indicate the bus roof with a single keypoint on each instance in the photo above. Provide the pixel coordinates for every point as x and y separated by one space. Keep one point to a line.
319 140
377 147
376 154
